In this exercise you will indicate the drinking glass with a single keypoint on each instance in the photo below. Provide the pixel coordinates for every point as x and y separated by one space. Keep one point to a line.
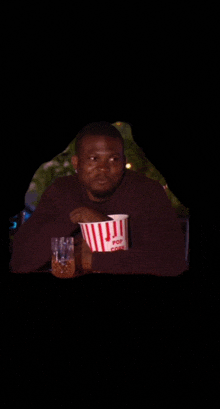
63 260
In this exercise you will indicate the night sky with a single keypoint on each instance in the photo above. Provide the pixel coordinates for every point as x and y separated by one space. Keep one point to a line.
54 92
155 77
155 70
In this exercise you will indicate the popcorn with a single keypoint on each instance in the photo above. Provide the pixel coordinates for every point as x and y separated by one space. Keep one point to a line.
108 236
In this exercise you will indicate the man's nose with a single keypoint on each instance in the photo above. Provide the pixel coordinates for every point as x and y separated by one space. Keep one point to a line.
104 166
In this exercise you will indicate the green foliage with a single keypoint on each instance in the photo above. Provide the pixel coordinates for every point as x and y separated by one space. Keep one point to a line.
61 166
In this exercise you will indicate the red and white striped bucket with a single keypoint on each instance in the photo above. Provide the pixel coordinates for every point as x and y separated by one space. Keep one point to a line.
111 235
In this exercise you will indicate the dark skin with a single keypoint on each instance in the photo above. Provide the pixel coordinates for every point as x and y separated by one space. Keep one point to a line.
100 166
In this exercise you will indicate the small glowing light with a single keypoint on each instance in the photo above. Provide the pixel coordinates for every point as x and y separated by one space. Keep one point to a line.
27 215
128 165
118 123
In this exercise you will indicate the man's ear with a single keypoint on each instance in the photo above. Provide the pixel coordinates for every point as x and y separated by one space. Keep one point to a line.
74 161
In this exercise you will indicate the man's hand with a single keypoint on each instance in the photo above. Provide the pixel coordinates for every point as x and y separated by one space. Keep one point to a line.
83 254
86 215
86 255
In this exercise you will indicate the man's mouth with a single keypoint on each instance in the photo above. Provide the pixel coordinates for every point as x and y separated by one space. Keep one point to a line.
101 180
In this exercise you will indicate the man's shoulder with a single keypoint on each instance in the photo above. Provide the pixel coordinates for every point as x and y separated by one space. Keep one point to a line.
65 180
140 180
66 184
139 187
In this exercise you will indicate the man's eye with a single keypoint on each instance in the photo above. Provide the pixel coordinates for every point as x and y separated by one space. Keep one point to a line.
113 159
92 158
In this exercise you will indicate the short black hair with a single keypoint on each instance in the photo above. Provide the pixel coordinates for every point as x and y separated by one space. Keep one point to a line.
97 128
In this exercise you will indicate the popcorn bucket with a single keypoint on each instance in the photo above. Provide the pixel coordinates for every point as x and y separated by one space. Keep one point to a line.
111 235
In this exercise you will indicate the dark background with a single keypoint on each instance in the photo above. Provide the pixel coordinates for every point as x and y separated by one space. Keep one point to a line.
122 333
61 80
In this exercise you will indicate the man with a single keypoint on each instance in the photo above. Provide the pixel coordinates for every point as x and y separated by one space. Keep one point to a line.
102 186
61 165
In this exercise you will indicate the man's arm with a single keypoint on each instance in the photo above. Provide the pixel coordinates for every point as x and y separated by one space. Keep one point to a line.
157 242
32 242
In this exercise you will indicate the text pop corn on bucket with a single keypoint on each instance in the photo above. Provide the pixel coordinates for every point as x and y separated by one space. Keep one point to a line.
111 235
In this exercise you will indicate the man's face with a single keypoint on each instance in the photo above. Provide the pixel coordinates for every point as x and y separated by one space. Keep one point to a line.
100 165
